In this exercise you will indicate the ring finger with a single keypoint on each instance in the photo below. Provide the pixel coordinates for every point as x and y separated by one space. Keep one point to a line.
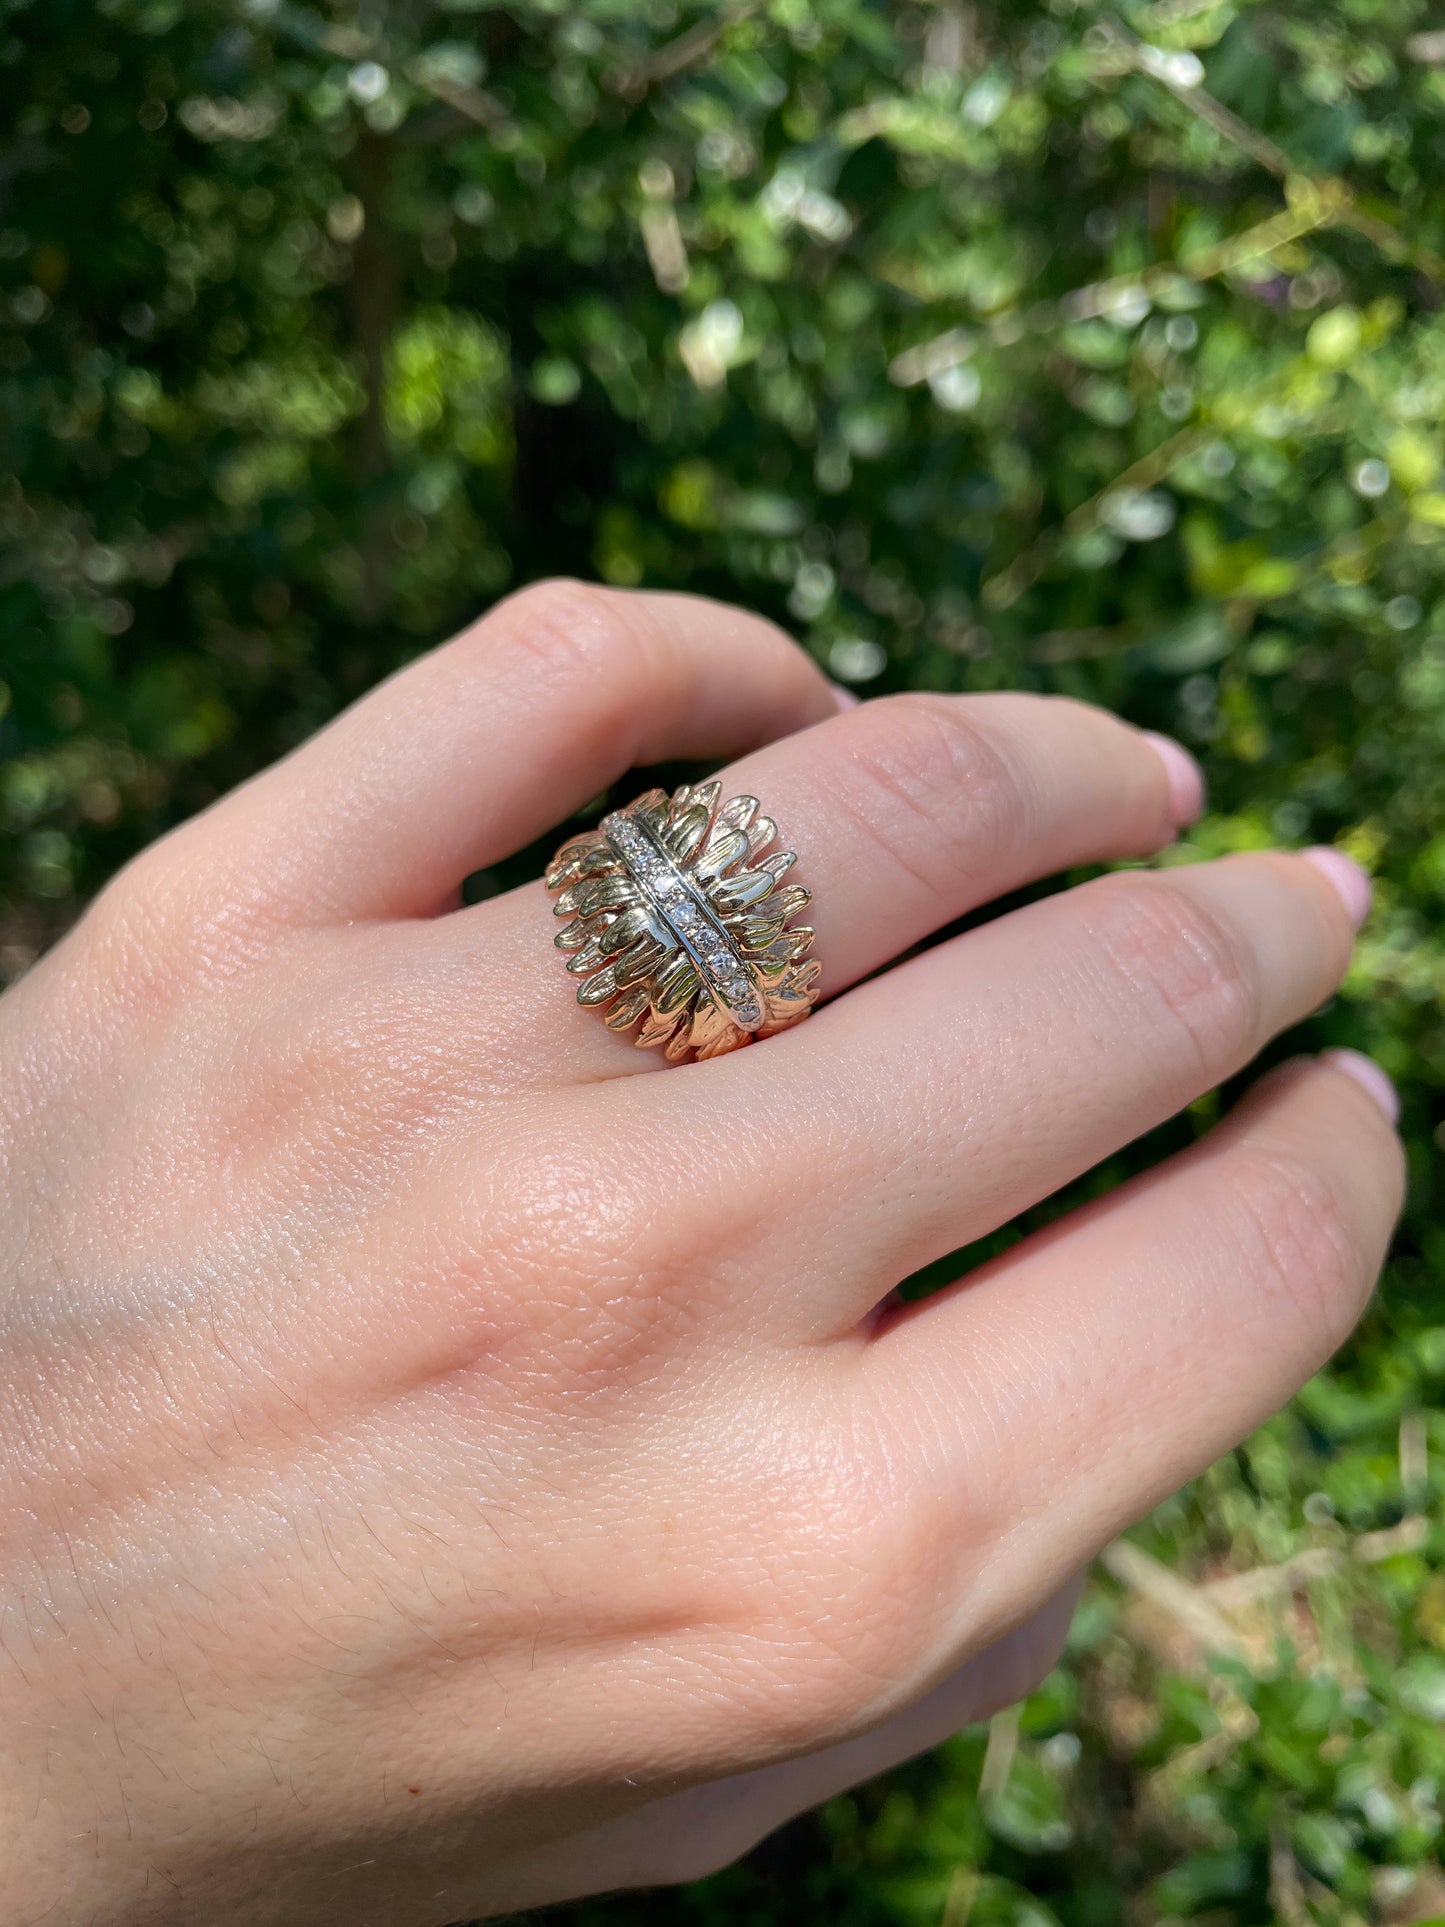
905 814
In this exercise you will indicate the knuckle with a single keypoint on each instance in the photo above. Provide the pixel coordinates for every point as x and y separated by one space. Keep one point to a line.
744 1813
157 927
568 628
1020 1662
943 794
692 1854
679 1859
570 1256
856 1620
1178 962
1299 1241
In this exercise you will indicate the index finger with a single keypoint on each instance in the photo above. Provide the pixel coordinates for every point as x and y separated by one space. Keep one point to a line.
471 752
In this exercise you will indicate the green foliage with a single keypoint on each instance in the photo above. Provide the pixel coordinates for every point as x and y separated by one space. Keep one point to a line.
1069 346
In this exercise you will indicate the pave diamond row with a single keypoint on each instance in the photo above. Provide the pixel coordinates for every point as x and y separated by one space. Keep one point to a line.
681 904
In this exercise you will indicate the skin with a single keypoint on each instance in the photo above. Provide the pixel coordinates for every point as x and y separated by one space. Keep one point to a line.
450 1461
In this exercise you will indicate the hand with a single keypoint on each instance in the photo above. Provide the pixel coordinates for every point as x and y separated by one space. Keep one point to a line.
450 1461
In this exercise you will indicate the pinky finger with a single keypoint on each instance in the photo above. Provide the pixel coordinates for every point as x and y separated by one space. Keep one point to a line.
1124 1349
688 1835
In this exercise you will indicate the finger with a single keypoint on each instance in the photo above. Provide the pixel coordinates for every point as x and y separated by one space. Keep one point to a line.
716 1824
909 812
1066 1388
688 1835
904 814
974 1080
484 744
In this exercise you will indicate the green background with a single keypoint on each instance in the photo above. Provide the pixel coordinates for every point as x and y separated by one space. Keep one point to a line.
1060 346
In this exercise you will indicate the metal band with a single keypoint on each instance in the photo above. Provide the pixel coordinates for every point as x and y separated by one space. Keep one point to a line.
678 923
687 913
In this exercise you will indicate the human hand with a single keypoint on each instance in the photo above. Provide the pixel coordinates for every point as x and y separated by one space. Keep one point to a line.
451 1462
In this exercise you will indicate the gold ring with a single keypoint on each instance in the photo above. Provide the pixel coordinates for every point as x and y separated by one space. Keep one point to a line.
678 923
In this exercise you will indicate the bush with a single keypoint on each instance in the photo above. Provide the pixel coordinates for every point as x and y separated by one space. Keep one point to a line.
1049 345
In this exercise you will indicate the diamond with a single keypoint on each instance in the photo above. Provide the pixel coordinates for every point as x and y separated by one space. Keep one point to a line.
680 908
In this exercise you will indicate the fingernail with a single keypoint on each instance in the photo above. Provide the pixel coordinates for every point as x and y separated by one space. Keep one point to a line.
1186 779
1354 886
1368 1075
845 698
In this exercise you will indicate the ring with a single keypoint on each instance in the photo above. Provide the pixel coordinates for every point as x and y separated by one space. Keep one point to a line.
678 923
